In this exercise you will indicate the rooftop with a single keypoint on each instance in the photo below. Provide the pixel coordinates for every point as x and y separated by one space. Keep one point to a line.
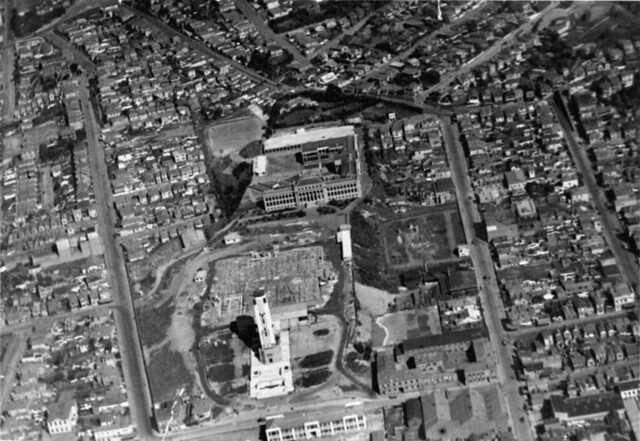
587 405
429 341
304 136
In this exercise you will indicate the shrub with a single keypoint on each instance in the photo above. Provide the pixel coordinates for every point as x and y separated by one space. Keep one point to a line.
314 378
321 332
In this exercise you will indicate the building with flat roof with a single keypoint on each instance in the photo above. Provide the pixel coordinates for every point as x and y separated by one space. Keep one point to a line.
629 388
577 410
419 364
295 140
260 165
344 239
331 168
328 426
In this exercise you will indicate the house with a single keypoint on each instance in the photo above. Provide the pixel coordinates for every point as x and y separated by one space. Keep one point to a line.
516 181
63 413
622 296
599 353
598 301
232 238
629 388
533 370
568 311
579 194
584 307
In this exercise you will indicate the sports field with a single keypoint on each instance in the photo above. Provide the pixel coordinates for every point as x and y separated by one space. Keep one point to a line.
232 135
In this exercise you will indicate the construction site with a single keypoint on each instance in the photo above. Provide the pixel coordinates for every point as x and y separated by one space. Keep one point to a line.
300 276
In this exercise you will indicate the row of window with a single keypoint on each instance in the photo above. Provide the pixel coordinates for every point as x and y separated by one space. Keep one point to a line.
315 430
286 148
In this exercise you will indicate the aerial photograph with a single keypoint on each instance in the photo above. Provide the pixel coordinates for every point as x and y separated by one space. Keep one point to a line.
346 220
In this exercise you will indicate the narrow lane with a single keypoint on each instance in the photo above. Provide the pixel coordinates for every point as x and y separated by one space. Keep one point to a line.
610 222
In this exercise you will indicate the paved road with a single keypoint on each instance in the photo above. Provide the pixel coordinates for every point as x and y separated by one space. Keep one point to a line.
335 40
489 294
72 52
130 346
488 54
268 34
610 222
245 426
426 108
443 29
205 50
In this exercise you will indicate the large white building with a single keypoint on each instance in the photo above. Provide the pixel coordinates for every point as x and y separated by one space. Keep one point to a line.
63 413
331 161
344 239
329 426
271 374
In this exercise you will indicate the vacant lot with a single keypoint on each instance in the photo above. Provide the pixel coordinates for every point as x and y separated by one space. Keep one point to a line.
167 374
401 325
312 348
227 361
153 323
368 252
373 300
414 240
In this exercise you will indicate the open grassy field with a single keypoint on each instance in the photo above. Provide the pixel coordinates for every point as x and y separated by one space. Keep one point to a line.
232 135
368 252
153 323
313 352
167 374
